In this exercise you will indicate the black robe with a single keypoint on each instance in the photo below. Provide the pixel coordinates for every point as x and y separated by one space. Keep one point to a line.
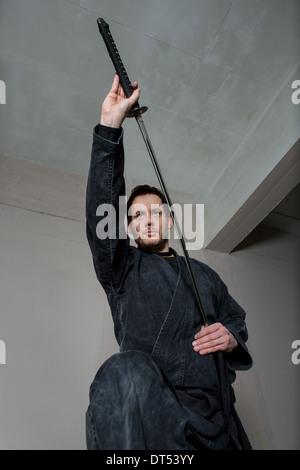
155 310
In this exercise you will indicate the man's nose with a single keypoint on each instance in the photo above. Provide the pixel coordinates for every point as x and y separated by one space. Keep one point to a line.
149 221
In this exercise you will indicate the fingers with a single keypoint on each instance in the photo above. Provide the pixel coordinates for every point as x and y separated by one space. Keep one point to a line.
117 87
115 84
116 106
213 338
134 97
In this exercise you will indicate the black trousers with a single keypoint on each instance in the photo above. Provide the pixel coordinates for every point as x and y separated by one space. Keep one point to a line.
132 407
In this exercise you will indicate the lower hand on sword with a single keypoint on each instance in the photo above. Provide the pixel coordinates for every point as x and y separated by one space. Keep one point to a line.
214 338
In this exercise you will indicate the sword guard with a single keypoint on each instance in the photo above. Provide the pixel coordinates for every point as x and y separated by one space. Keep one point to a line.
136 111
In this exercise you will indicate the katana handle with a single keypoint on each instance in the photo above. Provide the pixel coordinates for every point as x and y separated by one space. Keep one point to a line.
118 64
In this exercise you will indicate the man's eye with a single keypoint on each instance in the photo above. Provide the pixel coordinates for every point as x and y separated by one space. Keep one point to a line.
156 213
139 215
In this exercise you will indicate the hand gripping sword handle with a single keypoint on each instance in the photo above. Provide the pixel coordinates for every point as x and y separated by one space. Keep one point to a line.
118 64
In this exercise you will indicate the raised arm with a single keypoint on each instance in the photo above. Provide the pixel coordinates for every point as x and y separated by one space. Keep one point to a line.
105 185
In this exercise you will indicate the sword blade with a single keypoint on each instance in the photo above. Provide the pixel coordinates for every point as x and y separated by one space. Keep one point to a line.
177 227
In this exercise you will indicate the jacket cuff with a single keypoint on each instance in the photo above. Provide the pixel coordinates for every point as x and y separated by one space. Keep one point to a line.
239 358
112 134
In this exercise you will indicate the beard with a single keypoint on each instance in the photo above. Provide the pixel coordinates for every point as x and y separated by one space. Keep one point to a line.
151 246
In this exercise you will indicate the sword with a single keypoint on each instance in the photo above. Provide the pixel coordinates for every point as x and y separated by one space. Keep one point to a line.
137 112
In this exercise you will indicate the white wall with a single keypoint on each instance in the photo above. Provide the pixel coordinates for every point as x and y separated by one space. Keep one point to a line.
57 329
53 322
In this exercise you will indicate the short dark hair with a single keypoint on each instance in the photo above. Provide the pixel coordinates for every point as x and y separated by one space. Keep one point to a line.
141 190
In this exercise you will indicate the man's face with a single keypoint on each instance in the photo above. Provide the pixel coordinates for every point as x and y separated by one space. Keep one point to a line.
150 223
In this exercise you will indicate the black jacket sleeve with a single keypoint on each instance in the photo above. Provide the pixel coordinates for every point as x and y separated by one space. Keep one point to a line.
107 238
232 316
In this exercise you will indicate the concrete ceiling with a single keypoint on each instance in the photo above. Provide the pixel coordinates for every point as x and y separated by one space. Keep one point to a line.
216 76
286 216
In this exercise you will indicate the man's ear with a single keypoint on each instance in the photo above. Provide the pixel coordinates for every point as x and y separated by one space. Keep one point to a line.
130 232
170 222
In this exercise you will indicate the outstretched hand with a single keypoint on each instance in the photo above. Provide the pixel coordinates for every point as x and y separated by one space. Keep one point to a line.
116 106
214 338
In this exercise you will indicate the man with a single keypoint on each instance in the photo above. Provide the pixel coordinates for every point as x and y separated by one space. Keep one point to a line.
170 385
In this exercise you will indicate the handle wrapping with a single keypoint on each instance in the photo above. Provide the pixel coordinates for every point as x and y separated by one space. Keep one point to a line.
118 64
